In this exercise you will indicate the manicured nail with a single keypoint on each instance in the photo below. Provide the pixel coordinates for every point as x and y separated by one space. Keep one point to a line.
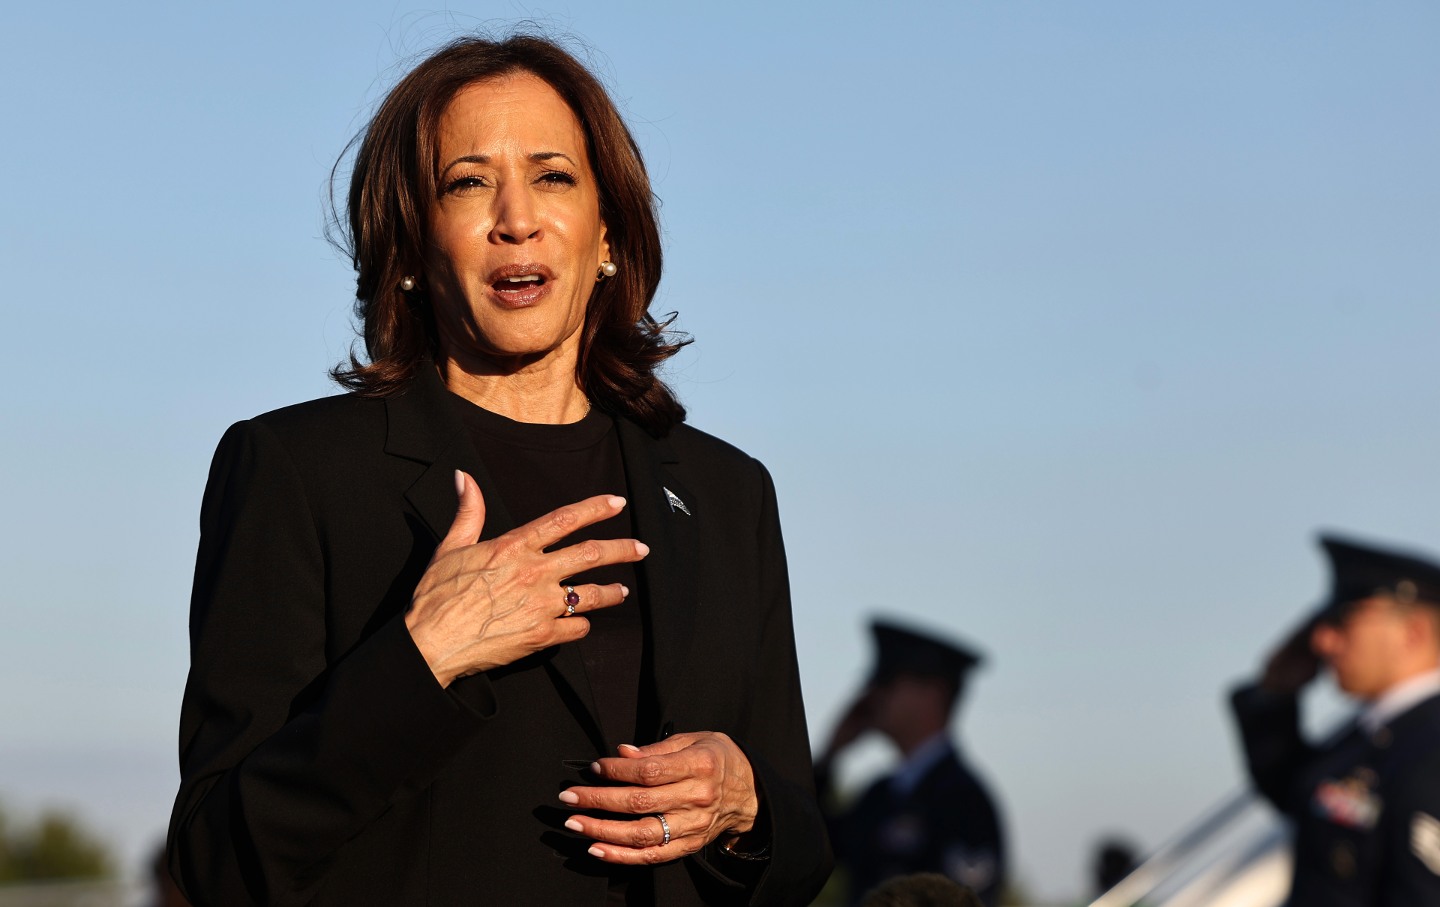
624 590
616 501
569 796
629 748
574 825
597 852
459 482
642 549
595 767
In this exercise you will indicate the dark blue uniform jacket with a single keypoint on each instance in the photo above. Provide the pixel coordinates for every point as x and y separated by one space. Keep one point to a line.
1366 808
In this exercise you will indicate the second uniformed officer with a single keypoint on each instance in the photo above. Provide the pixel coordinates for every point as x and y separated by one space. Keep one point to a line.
931 814
1367 806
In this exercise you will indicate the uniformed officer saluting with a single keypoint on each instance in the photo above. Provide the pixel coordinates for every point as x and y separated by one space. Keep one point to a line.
1367 807
931 814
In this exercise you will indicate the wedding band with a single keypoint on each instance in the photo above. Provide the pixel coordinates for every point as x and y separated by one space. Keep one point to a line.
572 598
665 827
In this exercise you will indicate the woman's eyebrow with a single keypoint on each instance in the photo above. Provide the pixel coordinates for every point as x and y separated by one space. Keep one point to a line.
551 155
537 157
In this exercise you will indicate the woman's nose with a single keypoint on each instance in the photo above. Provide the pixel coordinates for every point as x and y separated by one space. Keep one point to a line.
516 218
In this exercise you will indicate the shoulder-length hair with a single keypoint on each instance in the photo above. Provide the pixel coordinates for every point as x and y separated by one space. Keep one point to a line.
395 181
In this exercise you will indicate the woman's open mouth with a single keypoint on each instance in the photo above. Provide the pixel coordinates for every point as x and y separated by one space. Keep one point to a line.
521 284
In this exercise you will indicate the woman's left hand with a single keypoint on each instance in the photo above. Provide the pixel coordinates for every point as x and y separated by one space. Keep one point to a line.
700 782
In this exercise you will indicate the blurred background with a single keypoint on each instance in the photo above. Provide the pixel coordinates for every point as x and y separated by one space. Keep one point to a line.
1062 328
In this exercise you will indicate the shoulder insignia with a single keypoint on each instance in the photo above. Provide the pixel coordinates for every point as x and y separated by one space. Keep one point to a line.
1425 840
973 867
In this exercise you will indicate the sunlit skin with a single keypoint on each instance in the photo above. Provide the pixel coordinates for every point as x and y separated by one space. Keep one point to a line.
1376 645
516 196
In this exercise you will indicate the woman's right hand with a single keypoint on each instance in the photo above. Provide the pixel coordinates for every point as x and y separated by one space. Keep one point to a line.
485 604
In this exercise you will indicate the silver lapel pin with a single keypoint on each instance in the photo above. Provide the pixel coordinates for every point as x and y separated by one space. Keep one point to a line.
675 502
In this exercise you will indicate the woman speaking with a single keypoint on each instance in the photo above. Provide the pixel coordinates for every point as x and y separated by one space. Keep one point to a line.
494 627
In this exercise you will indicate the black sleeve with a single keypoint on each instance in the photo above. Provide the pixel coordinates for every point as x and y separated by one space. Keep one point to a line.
285 753
1275 751
778 746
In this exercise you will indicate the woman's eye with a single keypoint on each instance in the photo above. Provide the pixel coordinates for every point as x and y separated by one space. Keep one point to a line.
463 183
557 178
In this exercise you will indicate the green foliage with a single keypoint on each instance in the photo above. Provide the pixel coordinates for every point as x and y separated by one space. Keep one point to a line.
55 846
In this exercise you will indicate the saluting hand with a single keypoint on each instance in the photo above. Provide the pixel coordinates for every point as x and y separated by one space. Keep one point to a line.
700 782
480 605
1292 665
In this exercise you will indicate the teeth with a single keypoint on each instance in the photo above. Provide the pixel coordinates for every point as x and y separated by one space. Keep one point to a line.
526 279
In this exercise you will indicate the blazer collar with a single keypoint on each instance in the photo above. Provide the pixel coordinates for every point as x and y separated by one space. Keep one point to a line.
671 572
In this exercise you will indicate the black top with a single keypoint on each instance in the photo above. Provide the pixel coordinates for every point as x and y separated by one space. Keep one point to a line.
541 467
538 468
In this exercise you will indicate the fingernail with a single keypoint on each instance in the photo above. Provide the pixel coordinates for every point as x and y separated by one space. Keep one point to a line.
642 549
574 825
459 482
624 590
616 501
629 748
595 767
569 796
596 852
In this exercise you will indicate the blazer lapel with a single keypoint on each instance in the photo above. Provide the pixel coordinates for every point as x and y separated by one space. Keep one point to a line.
424 427
666 516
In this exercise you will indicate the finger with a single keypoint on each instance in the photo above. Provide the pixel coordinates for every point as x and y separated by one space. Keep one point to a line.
541 533
593 597
672 744
653 766
637 801
648 856
469 516
643 832
592 553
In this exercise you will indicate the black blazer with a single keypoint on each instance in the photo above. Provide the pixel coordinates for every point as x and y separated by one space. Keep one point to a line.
321 763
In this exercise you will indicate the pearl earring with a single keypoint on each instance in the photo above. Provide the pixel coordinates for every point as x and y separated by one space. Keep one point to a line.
407 283
608 268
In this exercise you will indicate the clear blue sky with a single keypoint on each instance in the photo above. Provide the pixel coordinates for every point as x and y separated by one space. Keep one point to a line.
1062 326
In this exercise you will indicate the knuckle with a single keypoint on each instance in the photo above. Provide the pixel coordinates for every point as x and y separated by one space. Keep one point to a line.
589 551
642 836
536 636
511 544
564 520
705 795
642 801
705 763
652 856
652 770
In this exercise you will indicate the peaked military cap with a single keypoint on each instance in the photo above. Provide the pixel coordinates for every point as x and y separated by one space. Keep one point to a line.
904 650
1360 571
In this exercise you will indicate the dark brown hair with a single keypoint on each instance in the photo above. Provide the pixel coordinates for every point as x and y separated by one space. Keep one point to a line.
394 182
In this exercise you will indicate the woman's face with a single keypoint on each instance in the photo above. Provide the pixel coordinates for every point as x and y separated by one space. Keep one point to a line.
515 233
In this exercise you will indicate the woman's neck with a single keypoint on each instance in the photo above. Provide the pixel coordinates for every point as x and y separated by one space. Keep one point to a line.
540 393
